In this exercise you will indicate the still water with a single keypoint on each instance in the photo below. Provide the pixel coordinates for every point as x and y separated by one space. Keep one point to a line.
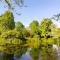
27 56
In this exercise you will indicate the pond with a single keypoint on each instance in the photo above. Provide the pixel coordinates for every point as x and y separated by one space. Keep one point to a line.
27 56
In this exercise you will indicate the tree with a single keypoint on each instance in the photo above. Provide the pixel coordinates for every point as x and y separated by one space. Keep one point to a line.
56 17
11 40
11 43
7 21
34 27
46 27
21 28
11 5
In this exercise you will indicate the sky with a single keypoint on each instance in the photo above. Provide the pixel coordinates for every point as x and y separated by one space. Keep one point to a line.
36 10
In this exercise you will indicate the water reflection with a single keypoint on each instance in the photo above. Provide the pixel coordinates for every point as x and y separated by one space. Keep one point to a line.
27 56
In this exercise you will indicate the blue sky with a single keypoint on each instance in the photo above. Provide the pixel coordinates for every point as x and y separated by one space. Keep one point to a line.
36 10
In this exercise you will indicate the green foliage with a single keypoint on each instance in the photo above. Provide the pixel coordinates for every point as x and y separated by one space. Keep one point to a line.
11 43
7 21
11 34
11 38
34 53
20 52
15 38
48 54
21 29
57 32
34 42
25 33
45 41
34 27
45 27
10 46
19 26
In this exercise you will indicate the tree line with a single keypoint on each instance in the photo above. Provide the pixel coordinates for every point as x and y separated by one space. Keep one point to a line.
15 38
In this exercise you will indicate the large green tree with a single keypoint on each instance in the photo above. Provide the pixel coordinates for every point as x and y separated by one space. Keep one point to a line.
34 27
46 27
11 40
21 28
7 21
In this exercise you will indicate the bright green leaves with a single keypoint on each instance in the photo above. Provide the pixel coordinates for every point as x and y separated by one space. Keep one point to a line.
2 41
19 26
12 37
21 29
57 33
45 27
45 41
9 41
34 27
34 42
11 34
7 21
16 39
